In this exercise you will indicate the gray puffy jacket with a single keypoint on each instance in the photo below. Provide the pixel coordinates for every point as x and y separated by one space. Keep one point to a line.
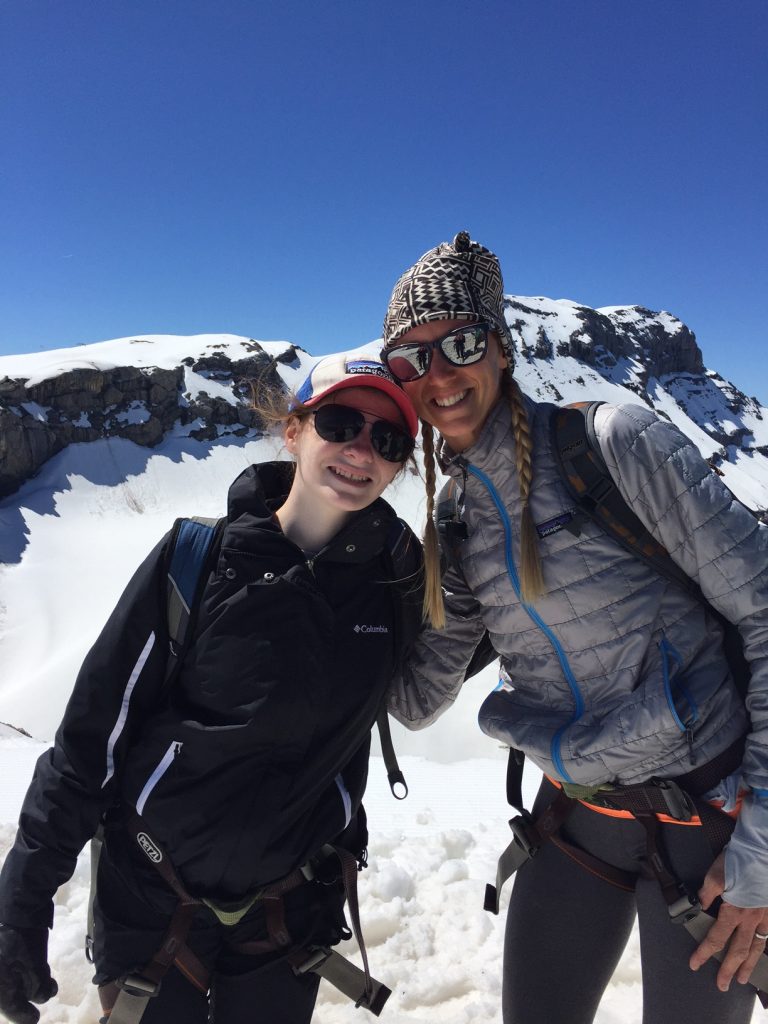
616 674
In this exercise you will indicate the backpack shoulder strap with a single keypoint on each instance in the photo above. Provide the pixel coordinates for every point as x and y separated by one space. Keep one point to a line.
452 531
194 542
588 480
404 564
451 528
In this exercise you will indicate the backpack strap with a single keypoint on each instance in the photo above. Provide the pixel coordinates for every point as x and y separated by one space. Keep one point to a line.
194 544
451 528
452 531
397 783
404 566
588 480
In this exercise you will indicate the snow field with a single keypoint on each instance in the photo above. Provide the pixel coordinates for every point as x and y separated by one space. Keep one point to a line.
71 538
427 935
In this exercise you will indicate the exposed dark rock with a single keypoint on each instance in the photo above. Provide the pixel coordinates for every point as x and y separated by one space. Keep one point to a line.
139 404
646 338
628 346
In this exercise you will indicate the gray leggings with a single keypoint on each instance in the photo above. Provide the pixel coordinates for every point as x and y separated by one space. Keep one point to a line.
566 930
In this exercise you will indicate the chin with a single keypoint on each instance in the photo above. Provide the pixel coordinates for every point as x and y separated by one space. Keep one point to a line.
455 430
350 502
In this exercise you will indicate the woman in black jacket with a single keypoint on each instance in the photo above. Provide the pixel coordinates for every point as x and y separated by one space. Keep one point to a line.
221 789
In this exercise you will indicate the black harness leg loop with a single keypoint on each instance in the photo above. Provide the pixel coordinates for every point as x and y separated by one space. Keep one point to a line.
682 901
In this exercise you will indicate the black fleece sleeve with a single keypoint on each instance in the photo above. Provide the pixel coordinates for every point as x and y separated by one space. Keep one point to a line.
74 781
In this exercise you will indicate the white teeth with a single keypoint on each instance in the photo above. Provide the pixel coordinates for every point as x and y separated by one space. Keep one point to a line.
346 475
445 403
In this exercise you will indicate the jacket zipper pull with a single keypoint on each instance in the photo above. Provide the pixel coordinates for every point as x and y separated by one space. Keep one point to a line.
464 475
689 739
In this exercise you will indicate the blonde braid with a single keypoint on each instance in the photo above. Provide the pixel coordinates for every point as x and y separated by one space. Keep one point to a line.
434 609
531 576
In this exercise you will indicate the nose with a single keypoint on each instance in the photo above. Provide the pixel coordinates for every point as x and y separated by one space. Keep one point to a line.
361 446
440 367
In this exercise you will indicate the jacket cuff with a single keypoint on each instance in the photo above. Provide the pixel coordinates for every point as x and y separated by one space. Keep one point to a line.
746 856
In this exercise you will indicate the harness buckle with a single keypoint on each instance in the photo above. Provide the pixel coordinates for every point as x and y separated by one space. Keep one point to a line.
315 958
520 827
135 985
321 868
345 976
685 907
678 803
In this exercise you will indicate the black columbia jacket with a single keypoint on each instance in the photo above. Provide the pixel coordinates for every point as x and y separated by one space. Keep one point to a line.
257 754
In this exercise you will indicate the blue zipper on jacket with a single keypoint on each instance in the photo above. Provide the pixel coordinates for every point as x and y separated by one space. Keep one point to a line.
555 745
669 652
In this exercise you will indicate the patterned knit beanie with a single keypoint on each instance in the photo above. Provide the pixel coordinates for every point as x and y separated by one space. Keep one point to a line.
459 280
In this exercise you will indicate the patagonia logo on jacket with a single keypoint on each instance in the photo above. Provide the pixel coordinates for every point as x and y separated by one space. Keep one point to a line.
557 523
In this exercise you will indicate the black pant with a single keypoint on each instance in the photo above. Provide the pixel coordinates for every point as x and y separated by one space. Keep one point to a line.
243 988
566 930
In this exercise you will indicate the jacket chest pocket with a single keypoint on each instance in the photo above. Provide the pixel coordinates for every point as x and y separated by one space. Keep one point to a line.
680 701
254 637
212 766
156 776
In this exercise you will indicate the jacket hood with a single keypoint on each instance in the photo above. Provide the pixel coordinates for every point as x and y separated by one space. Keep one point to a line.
260 489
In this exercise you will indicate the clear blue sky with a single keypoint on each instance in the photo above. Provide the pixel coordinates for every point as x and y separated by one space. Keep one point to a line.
269 168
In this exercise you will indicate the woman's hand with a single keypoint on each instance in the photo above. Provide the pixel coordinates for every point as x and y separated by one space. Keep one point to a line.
743 930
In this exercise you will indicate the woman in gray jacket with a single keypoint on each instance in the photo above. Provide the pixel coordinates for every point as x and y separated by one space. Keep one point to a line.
611 675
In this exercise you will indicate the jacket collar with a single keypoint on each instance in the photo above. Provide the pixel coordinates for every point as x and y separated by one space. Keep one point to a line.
262 488
259 490
496 440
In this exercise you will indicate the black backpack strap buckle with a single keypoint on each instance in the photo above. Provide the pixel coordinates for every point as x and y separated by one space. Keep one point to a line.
679 805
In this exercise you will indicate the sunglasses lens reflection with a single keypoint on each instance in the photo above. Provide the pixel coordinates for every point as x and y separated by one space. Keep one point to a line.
462 347
409 362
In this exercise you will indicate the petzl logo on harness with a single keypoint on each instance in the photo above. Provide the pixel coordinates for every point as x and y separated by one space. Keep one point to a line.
149 847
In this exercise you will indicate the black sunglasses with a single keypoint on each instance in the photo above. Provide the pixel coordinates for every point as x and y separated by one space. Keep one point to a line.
463 346
342 424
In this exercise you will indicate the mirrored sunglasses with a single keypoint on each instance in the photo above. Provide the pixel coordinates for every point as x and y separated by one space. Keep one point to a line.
463 346
342 424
